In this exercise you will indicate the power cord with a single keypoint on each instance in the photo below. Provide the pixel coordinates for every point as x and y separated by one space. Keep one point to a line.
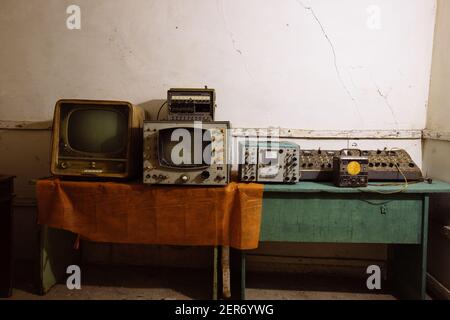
160 108
404 185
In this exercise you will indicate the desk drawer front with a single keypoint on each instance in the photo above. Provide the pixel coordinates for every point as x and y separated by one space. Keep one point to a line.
342 218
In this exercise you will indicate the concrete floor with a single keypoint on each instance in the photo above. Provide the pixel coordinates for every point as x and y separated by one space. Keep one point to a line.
142 283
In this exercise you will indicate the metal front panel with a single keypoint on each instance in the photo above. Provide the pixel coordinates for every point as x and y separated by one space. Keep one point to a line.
317 164
342 175
269 162
215 173
248 163
383 165
186 104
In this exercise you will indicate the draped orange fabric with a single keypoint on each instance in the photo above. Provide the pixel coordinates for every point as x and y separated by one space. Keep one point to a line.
136 213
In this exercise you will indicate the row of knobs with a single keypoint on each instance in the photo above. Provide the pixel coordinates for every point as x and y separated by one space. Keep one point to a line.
204 175
291 163
185 178
65 165
250 171
354 180
391 165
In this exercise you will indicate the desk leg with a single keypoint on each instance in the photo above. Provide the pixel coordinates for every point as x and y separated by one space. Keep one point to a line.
242 275
215 272
237 271
409 263
56 254
226 285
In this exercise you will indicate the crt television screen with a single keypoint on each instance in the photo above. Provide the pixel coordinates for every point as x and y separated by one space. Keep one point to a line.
184 147
97 131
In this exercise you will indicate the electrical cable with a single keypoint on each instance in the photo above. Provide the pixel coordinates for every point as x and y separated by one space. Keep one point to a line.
160 108
405 184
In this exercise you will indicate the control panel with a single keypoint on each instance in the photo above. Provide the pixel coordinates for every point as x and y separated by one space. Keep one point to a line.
392 165
276 162
317 164
179 152
384 165
350 170
191 104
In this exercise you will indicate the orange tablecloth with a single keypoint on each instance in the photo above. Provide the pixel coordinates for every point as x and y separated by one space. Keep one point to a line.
135 213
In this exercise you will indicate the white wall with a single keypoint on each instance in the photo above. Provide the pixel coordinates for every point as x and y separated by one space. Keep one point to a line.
312 64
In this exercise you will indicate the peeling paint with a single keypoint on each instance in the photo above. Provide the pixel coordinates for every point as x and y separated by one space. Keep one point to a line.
25 125
436 135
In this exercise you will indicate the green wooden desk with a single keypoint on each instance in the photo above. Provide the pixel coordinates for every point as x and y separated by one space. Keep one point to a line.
320 212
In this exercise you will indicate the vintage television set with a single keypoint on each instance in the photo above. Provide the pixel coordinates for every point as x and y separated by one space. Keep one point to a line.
96 139
186 152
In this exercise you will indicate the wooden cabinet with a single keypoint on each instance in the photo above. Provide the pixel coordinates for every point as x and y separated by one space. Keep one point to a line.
6 221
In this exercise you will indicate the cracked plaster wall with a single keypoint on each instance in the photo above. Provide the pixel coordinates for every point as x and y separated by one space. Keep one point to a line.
312 64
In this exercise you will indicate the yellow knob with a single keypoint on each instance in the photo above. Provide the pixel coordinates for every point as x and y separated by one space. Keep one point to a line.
353 168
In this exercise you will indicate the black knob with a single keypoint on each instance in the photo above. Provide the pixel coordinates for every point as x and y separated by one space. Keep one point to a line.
205 174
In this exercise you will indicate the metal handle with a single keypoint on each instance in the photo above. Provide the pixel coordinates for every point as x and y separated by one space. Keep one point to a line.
360 152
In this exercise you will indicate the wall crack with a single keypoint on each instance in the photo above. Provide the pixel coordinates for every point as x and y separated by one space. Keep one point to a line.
231 36
333 51
385 97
